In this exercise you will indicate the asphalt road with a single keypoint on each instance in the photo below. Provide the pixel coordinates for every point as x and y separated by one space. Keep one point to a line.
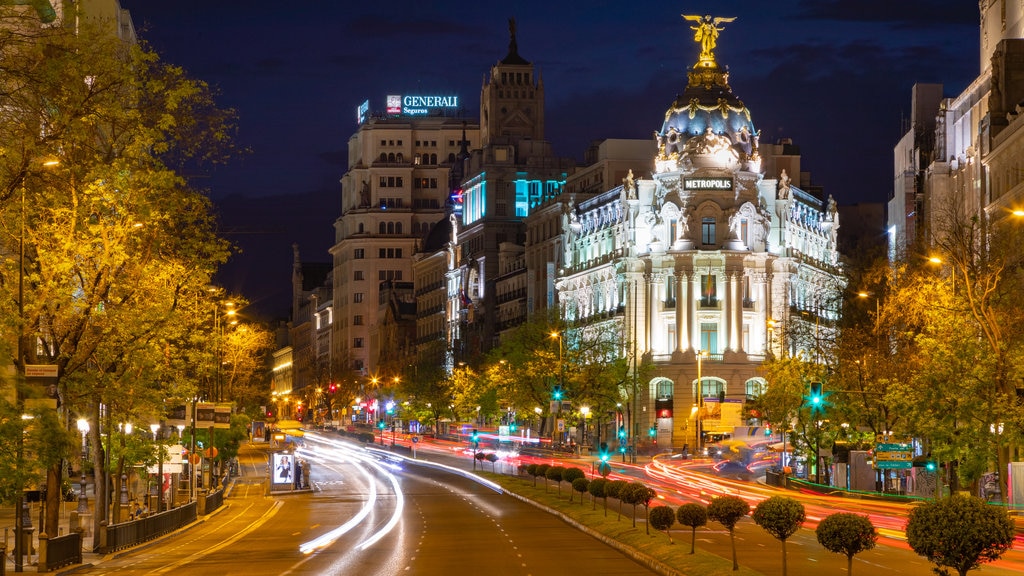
445 524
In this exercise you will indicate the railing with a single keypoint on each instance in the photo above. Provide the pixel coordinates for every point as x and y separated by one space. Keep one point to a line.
60 551
213 501
135 532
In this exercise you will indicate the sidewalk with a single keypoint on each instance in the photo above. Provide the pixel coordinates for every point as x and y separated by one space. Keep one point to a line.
252 463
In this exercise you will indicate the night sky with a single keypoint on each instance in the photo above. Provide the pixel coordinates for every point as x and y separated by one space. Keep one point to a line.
832 75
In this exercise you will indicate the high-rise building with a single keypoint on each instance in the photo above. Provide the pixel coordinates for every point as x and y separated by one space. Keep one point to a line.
512 173
395 190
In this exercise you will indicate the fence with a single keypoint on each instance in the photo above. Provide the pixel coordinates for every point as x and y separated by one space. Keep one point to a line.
60 551
135 532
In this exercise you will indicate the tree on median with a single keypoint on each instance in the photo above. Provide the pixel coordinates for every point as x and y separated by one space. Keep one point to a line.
780 516
727 511
961 532
847 533
694 516
662 518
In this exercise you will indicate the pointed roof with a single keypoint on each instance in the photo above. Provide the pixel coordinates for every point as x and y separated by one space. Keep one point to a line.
513 56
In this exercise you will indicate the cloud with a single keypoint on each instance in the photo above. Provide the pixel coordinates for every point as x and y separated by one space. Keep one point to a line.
902 13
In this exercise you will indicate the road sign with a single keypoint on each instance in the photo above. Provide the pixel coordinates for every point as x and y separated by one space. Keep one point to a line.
893 447
40 370
415 438
892 464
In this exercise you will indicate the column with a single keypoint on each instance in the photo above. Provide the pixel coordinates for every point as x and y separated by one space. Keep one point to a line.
682 313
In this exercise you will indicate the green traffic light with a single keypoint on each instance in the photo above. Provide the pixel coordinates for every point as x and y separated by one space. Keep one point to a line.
930 466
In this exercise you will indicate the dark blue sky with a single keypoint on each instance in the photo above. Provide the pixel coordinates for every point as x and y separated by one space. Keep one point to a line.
833 75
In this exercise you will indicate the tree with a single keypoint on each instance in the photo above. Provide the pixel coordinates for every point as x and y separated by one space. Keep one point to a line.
597 489
570 475
614 489
961 532
662 518
644 494
727 511
694 516
554 474
780 516
580 485
541 471
847 533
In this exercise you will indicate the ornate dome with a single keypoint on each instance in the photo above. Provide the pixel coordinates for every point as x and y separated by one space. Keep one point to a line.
707 125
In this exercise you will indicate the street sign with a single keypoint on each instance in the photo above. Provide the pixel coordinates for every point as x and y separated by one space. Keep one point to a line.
893 447
415 438
892 464
40 370
503 433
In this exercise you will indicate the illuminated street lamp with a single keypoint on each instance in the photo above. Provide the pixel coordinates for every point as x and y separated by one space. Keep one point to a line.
701 354
83 501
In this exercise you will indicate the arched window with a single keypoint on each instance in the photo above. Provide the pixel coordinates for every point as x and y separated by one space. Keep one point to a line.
391 157
391 227
451 158
712 387
433 158
664 388
400 157
383 157
756 387
383 228
398 228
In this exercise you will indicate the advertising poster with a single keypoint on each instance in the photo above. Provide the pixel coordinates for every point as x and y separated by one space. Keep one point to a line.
222 415
204 414
259 431
284 468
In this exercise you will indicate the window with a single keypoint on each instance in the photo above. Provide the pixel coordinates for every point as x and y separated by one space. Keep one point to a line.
755 387
358 275
389 253
708 290
359 253
357 320
712 388
357 342
707 230
357 297
385 275
709 337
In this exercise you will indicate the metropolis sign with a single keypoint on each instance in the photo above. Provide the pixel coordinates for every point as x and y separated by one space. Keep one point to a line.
419 105
708 183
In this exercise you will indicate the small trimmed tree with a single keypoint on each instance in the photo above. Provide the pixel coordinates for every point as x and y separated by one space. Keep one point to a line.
614 489
493 459
580 485
597 490
644 495
541 471
694 516
629 494
524 468
727 511
554 474
662 518
780 516
570 475
847 533
961 532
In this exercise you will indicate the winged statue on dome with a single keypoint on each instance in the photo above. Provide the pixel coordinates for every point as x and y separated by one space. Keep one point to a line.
706 32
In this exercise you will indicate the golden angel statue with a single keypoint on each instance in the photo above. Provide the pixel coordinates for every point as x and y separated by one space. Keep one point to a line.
706 32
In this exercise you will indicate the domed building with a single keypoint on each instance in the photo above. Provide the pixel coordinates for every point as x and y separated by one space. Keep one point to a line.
702 259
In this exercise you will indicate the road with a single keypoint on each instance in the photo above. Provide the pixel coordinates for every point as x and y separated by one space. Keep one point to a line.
367 517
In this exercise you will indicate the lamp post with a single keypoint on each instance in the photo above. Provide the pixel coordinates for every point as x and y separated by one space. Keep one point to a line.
585 411
700 401
155 427
561 389
83 500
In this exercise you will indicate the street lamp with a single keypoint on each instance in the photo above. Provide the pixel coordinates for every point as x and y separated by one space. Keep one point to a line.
83 500
561 387
585 411
701 354
155 427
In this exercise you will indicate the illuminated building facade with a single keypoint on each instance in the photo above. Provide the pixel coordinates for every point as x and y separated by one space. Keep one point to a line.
712 248
395 190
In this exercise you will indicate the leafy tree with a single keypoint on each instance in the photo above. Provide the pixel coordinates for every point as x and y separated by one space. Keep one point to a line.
727 511
541 471
554 474
614 489
959 532
662 518
694 516
597 490
580 485
780 516
493 459
847 533
570 474
644 494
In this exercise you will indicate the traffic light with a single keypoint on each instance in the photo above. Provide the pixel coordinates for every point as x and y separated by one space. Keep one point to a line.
557 394
475 436
817 398
930 466
513 427
622 432
605 456
767 429
381 424
652 431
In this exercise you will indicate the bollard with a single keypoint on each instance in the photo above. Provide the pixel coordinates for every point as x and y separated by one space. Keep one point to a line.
43 543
